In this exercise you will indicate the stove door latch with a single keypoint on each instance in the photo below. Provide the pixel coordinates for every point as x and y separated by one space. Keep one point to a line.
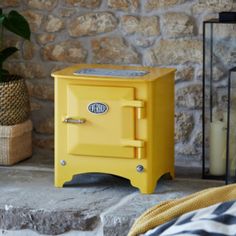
137 104
139 144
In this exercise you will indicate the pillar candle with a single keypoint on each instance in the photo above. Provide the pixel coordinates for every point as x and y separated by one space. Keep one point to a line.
232 138
217 148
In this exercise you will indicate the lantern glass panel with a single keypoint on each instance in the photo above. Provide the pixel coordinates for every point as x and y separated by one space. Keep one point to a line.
219 50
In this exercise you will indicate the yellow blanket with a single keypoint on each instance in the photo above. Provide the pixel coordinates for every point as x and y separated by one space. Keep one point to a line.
169 210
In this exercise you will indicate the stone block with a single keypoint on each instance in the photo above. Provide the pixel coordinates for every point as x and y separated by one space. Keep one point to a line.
184 124
41 91
113 50
84 3
69 51
213 6
28 70
45 38
28 50
10 3
145 26
151 5
45 126
189 96
184 74
177 24
92 24
34 18
124 5
174 52
42 4
53 24
44 141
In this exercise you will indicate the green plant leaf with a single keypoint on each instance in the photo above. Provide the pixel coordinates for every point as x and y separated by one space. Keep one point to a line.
5 53
2 16
3 75
17 24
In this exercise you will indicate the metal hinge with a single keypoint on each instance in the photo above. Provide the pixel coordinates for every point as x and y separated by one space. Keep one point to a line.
137 104
139 144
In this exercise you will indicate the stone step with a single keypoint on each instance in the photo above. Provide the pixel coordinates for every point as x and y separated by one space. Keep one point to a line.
93 204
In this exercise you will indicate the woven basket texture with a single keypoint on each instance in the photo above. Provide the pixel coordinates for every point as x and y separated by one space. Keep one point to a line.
15 143
14 101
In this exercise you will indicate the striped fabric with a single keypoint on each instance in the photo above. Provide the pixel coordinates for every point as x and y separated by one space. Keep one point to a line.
217 220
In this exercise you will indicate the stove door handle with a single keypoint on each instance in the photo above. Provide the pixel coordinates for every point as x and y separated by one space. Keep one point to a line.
74 121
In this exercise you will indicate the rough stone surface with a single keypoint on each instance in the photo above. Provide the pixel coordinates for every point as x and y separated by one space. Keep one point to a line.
177 24
219 72
45 38
189 97
34 106
30 201
28 50
223 31
183 126
113 50
184 74
66 12
151 5
213 6
41 207
70 51
53 24
117 223
34 18
173 52
46 126
92 24
10 3
84 3
229 52
198 140
42 4
187 150
124 5
44 142
146 26
143 42
41 91
148 32
29 70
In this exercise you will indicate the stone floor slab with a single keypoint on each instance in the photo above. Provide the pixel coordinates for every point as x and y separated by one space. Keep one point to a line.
94 204
28 200
118 219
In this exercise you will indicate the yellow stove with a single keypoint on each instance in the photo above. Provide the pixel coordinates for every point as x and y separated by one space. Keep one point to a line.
114 119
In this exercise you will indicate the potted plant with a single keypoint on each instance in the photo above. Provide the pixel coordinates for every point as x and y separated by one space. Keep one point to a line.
15 125
14 98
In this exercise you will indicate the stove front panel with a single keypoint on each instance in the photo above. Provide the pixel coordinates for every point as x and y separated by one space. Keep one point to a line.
99 124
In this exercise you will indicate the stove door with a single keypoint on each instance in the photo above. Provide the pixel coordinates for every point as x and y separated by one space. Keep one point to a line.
99 121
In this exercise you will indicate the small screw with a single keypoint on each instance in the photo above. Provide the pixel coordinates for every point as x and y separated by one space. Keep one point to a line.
63 162
140 168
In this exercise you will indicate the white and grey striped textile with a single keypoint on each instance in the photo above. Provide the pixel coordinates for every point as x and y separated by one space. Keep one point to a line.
216 220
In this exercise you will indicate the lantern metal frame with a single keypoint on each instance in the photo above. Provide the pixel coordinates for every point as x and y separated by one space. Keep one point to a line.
205 175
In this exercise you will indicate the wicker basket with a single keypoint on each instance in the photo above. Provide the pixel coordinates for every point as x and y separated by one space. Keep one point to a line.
15 143
14 101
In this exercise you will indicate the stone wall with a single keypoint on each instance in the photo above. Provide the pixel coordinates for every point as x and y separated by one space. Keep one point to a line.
147 32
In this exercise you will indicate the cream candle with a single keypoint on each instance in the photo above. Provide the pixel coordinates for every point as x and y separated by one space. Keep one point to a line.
232 138
217 148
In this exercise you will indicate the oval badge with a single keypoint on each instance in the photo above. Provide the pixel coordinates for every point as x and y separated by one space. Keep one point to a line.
98 108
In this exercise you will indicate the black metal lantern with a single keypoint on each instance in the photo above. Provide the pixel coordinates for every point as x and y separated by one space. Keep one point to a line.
219 100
